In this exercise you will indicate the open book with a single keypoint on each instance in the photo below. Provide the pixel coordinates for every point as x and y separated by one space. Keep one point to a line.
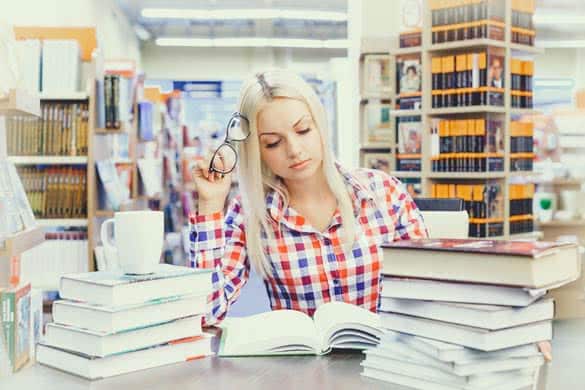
290 332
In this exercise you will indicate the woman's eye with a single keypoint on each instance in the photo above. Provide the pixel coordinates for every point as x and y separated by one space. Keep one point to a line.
304 131
272 144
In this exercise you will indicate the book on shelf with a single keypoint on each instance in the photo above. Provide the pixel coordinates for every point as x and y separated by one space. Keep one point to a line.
15 310
150 170
377 124
114 288
522 74
484 204
290 332
464 20
467 145
95 368
380 161
377 74
145 121
468 336
460 292
112 188
114 319
439 351
473 78
101 344
411 12
523 30
61 66
409 136
28 51
409 81
521 146
56 191
491 317
513 263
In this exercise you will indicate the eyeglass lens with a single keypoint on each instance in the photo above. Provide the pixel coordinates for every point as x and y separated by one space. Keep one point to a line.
224 159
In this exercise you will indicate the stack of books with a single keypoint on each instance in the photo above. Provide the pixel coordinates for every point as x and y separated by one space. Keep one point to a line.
467 314
109 323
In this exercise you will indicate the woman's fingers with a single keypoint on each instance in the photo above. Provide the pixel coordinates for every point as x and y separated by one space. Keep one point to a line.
546 350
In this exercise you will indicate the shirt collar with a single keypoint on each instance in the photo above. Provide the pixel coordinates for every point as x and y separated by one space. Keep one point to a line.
275 203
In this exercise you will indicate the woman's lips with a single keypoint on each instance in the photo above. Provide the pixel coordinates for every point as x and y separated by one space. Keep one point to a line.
300 165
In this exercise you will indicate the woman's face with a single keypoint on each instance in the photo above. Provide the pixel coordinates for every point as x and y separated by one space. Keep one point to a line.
290 143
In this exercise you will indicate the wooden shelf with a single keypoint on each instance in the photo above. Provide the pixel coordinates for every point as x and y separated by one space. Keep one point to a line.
562 182
22 241
399 113
407 50
406 174
465 44
466 175
524 111
537 235
104 213
385 146
110 131
64 96
52 222
123 160
382 95
558 223
48 160
20 103
468 110
526 49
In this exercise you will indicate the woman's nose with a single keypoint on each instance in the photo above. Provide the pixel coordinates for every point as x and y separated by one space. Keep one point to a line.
294 148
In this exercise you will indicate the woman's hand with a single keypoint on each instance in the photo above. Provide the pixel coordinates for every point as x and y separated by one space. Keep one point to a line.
212 187
546 349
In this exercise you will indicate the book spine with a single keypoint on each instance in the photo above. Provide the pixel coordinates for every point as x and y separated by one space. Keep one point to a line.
8 324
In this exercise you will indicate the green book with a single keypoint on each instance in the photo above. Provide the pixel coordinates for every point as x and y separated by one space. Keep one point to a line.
15 311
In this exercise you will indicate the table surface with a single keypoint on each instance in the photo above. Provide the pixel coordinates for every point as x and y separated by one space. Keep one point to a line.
338 370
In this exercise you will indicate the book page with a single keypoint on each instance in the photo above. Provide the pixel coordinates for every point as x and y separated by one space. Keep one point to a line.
269 333
333 317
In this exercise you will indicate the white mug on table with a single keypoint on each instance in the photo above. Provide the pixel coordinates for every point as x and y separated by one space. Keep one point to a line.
139 237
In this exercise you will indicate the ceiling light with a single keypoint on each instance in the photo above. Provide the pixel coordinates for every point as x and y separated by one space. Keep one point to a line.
254 42
242 14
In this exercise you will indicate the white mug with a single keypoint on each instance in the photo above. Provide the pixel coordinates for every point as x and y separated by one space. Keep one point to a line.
139 237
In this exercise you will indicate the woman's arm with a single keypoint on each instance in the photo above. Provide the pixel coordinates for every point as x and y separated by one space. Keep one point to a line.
219 244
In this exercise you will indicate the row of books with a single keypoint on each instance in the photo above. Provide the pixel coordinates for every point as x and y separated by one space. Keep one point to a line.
56 191
15 211
467 145
65 248
521 146
521 213
114 103
456 20
483 202
409 81
523 30
475 322
21 320
468 79
521 224
62 130
51 66
109 323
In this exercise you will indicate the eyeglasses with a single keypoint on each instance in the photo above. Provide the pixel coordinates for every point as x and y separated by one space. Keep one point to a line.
225 157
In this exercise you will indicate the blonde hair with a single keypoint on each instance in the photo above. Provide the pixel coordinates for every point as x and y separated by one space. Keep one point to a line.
256 179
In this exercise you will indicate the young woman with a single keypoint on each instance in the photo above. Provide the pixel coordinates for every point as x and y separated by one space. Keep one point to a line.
310 227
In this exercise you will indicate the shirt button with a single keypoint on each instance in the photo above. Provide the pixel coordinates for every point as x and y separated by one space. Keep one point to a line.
336 282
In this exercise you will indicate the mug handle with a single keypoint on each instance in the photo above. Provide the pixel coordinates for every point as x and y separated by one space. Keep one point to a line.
106 240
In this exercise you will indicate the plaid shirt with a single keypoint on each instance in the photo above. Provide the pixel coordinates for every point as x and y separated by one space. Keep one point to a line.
309 267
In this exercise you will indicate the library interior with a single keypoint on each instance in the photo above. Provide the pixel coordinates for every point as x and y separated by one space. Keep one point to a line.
333 194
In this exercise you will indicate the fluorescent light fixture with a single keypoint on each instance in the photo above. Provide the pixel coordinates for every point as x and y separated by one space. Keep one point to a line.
243 14
550 17
575 43
254 42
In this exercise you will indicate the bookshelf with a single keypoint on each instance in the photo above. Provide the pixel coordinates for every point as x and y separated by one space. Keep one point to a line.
505 113
48 160
18 103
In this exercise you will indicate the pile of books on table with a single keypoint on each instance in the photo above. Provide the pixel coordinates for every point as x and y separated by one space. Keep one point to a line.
109 323
467 314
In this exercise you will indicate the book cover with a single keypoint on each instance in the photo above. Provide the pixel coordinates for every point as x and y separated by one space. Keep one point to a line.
117 278
534 249
16 323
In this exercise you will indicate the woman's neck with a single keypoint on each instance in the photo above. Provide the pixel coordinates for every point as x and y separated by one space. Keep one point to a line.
308 190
